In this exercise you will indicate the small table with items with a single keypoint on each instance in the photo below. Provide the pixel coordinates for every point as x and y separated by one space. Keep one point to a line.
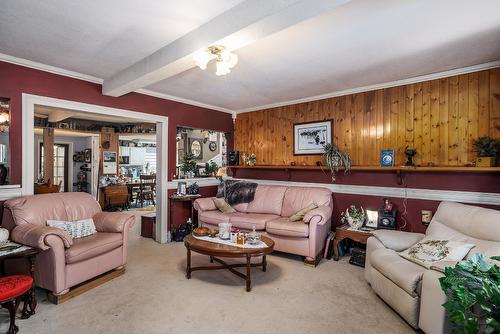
181 198
12 250
345 232
213 249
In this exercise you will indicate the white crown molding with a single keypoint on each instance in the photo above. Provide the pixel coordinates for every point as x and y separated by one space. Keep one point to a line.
89 78
410 193
427 77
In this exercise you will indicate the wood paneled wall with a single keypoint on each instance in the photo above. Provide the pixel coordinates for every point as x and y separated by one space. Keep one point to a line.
440 118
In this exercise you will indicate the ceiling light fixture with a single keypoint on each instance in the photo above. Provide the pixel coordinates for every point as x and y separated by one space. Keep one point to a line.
225 60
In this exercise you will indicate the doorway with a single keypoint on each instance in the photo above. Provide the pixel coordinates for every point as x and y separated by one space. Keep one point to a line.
29 102
61 165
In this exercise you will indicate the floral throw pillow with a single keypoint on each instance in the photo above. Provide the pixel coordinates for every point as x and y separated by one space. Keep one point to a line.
78 229
430 250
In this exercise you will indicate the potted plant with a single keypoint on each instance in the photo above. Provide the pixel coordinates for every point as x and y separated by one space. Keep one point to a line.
487 149
188 165
211 168
336 159
353 216
473 291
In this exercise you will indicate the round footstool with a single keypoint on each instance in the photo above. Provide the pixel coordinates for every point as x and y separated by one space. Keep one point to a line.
12 288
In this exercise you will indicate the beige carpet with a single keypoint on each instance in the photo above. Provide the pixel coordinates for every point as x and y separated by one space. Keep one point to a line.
155 297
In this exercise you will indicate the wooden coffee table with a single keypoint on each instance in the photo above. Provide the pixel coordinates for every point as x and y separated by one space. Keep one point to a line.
216 250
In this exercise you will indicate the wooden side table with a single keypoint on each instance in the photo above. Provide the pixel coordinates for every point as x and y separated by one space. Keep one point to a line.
181 198
28 253
343 232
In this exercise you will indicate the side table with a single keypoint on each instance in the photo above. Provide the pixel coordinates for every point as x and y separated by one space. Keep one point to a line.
343 232
181 198
29 253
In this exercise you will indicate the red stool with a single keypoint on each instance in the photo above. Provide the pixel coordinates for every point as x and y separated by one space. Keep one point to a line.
12 288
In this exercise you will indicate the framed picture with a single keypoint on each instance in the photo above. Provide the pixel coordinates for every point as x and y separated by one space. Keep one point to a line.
371 219
310 138
109 163
387 158
196 148
88 155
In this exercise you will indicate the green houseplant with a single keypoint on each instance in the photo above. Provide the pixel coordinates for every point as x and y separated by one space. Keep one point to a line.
211 168
336 159
188 164
473 291
487 149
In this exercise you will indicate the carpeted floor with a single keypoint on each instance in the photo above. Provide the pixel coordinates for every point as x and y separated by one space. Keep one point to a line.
153 296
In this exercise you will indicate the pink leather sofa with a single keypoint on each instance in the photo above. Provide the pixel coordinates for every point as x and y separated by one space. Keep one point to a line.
269 212
65 262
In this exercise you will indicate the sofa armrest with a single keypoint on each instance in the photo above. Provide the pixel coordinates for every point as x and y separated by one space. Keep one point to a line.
35 235
397 240
113 222
205 204
318 216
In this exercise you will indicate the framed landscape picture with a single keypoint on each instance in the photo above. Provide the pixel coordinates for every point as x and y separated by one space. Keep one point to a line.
311 137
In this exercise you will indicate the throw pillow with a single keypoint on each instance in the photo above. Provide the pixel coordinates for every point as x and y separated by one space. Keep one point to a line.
299 215
222 205
430 250
78 229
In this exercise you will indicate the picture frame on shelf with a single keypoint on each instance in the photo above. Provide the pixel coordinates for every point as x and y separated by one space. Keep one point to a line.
371 222
387 158
309 138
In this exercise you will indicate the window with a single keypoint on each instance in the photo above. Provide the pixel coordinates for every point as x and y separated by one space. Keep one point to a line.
60 165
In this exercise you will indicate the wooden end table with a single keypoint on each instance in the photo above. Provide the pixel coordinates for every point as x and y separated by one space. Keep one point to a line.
214 249
181 198
343 232
30 303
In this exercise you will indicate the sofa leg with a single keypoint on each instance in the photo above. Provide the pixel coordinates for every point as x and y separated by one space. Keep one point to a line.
313 261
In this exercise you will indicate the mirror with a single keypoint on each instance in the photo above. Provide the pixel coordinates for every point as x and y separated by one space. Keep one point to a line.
4 140
200 152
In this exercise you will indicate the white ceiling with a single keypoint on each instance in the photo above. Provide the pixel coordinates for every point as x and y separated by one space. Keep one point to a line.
361 43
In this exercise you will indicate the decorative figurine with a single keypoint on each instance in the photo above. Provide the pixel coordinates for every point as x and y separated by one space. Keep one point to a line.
410 153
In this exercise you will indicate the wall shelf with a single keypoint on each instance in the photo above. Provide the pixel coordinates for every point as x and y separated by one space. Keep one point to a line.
399 170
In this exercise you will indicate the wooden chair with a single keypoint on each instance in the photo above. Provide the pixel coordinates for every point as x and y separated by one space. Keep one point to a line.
147 191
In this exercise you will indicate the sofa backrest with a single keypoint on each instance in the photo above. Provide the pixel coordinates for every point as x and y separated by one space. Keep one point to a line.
268 199
467 223
297 198
37 209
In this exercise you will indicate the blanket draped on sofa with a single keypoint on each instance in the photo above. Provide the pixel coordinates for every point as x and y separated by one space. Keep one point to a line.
236 192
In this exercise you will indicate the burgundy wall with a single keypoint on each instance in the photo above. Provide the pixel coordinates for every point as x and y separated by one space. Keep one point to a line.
16 80
480 182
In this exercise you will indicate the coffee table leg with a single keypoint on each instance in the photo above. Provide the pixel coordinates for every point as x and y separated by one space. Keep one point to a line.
336 249
211 259
249 282
264 263
188 265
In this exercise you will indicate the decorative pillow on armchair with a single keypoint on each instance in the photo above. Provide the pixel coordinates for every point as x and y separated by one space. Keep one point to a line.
430 250
78 229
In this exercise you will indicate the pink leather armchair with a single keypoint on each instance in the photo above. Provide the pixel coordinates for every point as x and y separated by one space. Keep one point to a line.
65 262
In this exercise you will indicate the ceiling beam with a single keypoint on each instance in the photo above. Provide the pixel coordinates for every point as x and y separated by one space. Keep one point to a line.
240 26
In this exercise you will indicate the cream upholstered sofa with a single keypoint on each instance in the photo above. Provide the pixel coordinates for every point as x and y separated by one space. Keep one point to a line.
63 261
269 212
412 290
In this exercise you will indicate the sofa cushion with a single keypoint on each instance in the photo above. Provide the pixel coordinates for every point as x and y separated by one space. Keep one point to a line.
248 220
268 199
214 217
285 227
297 198
92 246
79 229
401 272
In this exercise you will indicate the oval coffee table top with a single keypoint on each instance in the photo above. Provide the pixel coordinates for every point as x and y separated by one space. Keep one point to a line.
213 248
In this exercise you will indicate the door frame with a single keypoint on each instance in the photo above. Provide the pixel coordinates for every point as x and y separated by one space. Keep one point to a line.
28 148
69 158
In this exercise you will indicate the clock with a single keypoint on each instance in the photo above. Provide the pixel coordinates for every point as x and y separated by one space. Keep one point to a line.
212 146
386 219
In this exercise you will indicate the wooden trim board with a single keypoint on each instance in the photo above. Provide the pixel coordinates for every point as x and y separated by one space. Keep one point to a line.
85 286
